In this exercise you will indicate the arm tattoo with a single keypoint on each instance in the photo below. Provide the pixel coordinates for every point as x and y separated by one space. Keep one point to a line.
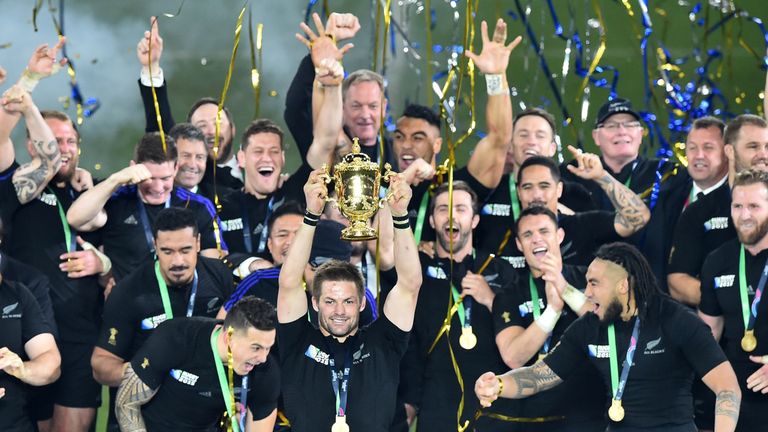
629 207
727 404
131 395
30 178
533 379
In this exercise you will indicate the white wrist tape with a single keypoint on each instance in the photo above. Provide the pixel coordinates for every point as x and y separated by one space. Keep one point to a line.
548 319
28 80
106 263
574 298
494 84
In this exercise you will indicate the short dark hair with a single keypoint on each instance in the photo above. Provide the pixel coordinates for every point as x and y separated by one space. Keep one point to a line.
261 126
288 208
458 185
337 271
707 122
538 112
749 177
175 219
150 149
187 131
536 210
251 311
542 161
208 101
422 112
642 281
734 126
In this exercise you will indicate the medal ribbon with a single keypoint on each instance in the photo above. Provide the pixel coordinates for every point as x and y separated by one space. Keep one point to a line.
244 401
164 294
750 314
247 226
340 378
145 221
536 308
226 385
617 385
513 200
421 216
464 307
69 239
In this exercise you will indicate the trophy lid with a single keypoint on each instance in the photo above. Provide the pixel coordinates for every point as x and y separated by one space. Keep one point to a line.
356 155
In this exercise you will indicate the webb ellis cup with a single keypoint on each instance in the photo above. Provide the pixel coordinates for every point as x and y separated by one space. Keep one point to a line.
356 181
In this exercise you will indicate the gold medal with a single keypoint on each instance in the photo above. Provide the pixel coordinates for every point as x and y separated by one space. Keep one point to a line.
749 341
467 340
340 425
616 411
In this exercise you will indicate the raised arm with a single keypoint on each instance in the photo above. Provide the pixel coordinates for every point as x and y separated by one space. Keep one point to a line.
152 76
487 161
291 299
131 395
400 305
30 178
87 212
43 366
631 212
515 384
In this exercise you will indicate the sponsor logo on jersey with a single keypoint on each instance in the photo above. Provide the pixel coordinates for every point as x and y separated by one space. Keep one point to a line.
232 224
131 220
184 377
49 198
599 351
495 210
652 347
150 323
716 223
317 354
527 307
724 281
10 308
436 272
517 262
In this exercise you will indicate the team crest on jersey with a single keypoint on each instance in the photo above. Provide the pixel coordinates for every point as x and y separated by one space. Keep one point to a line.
724 281
232 224
49 198
517 262
436 272
10 308
599 351
184 377
150 323
716 223
495 210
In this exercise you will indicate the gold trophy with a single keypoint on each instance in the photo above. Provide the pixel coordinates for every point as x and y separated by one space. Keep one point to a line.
356 181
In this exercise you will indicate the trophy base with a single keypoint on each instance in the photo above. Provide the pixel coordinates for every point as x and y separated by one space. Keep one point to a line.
358 231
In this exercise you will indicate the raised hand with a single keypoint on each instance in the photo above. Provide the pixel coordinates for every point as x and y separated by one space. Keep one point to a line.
142 48
494 57
342 26
131 175
316 191
82 180
321 45
418 171
588 165
555 283
16 100
3 74
399 195
329 72
43 62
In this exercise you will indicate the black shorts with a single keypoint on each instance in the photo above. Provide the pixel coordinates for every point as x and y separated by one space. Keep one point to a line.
41 402
76 387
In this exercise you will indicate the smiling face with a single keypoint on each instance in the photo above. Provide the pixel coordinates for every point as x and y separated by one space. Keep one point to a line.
707 163
749 211
619 138
607 289
532 136
415 138
204 118
281 236
250 348
750 149
177 254
157 189
69 147
459 230
262 160
364 104
538 235
338 308
192 158
538 187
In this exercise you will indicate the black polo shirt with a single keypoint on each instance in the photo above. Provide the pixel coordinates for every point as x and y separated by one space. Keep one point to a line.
584 234
37 283
720 297
428 379
124 237
20 321
307 392
702 228
241 209
134 308
673 343
582 396
178 359
36 238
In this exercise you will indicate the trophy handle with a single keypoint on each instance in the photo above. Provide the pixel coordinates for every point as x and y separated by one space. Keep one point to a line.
326 175
387 172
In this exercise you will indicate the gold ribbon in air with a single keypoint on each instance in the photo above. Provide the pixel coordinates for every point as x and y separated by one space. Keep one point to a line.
598 54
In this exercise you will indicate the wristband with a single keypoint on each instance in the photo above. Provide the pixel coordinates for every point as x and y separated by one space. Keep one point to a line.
106 263
501 386
310 218
401 222
574 298
28 80
494 84
547 320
